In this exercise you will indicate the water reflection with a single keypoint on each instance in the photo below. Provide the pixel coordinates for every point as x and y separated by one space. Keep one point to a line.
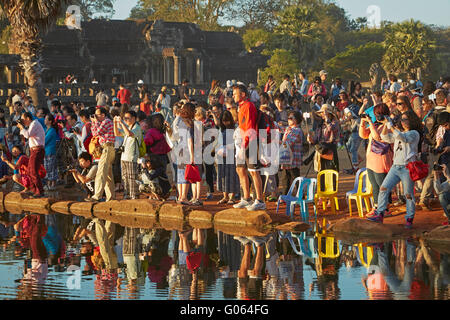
66 257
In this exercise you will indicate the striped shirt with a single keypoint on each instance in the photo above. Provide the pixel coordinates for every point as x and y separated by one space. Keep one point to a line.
104 130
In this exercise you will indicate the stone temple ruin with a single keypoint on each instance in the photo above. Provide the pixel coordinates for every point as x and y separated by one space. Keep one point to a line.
124 51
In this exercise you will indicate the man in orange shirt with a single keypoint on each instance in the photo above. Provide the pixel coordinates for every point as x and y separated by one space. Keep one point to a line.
124 95
248 128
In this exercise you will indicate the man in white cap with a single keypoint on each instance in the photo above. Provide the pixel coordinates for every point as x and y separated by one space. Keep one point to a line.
350 127
228 92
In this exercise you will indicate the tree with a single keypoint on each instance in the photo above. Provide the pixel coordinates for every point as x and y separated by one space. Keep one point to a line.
280 63
355 62
256 14
89 8
409 47
256 37
301 24
30 18
205 13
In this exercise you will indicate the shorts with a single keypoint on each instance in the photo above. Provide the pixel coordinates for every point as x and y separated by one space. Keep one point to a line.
251 161
180 176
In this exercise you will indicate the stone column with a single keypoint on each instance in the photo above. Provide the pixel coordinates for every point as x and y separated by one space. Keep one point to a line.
176 70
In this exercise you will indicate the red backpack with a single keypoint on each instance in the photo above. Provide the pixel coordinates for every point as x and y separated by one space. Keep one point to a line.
264 121
89 136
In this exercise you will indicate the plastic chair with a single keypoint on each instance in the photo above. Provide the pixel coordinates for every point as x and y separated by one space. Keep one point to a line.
360 256
361 191
328 190
308 249
331 251
310 186
289 197
288 235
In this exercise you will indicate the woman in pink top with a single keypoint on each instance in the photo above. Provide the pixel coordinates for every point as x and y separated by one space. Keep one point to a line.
380 155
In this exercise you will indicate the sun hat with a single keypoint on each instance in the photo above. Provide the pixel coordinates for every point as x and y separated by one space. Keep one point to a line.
326 108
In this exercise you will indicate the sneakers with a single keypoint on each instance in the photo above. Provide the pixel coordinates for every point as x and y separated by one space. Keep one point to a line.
409 223
242 204
376 218
425 205
372 213
387 214
257 205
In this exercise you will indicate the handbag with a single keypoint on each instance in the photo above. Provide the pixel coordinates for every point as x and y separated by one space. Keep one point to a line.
192 174
285 154
94 148
417 170
380 148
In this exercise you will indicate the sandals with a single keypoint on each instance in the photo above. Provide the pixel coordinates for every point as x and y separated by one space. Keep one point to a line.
231 201
222 201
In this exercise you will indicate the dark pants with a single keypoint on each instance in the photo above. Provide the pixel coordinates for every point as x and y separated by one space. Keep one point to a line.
209 173
376 179
34 163
287 176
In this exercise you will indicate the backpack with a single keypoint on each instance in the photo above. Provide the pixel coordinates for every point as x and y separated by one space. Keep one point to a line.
264 121
87 141
142 147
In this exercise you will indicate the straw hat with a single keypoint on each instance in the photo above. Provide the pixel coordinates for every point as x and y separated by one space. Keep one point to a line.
326 108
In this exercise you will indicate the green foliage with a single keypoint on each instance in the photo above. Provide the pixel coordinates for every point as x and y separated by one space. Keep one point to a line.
204 13
409 46
255 38
354 63
4 40
280 63
90 8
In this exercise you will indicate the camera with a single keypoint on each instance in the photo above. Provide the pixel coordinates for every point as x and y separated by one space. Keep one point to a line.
437 167
438 150
364 116
14 123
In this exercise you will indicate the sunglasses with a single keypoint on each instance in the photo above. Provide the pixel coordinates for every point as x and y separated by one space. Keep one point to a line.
404 119
399 103
126 118
291 118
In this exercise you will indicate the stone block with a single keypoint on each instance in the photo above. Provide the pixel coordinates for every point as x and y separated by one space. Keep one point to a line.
242 217
83 209
294 227
62 207
174 211
362 227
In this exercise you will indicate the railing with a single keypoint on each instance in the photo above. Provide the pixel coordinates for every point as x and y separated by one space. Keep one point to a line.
86 92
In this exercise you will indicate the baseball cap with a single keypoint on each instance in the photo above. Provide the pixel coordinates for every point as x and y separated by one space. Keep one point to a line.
140 82
323 72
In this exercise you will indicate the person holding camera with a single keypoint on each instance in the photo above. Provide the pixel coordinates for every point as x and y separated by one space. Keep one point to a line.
103 131
405 136
34 132
88 173
133 137
379 154
442 187
431 128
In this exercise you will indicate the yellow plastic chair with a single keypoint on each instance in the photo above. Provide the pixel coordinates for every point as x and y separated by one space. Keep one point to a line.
369 254
332 248
361 194
328 190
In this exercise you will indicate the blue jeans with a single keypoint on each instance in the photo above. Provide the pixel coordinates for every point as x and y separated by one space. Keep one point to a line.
444 199
353 145
394 176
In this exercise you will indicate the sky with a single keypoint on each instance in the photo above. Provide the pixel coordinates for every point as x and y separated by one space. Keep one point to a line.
430 12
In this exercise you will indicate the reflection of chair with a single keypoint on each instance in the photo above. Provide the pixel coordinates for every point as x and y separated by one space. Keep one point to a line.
305 244
362 190
308 185
332 248
329 189
288 235
368 257
289 197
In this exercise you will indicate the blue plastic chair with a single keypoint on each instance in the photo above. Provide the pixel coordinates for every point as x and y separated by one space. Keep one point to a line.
309 249
289 197
310 186
355 186
288 235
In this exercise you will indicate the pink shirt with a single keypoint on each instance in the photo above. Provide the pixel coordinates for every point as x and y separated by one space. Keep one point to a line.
377 162
35 134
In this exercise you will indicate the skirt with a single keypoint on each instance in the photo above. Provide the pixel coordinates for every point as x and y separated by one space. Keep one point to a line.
227 178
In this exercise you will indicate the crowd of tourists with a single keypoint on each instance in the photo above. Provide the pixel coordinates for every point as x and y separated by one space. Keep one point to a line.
153 149
158 148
